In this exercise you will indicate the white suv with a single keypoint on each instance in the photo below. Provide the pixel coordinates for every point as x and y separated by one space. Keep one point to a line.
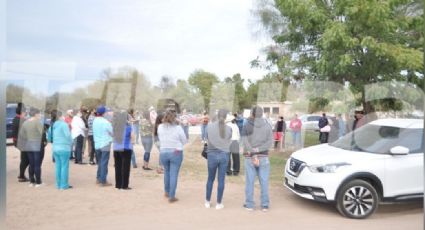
381 161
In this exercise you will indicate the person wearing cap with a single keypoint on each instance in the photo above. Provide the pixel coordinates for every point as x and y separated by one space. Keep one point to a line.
17 122
78 132
102 136
234 157
30 141
257 138
61 139
219 140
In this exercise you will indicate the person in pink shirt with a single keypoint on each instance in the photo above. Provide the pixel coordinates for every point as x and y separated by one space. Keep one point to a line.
295 126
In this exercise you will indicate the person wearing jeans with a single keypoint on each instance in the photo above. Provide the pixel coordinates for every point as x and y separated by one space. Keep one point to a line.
147 139
296 126
219 139
60 137
172 139
102 135
257 139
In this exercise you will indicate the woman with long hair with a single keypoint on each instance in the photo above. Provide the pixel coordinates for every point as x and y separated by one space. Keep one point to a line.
123 147
219 140
158 121
147 139
172 139
60 137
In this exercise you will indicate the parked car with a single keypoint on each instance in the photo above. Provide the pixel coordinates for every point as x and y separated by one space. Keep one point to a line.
381 161
310 121
10 114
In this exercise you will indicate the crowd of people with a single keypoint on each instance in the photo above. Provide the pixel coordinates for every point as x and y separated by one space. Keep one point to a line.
226 137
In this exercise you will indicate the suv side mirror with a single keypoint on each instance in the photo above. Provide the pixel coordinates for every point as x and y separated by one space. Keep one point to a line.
399 150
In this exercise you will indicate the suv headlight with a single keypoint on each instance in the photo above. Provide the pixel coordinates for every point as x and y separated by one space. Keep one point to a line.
328 168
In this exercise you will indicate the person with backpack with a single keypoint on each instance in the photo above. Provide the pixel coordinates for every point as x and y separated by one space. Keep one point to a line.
61 139
17 122
219 140
257 138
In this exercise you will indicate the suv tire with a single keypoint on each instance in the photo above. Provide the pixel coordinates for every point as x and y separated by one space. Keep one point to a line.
357 199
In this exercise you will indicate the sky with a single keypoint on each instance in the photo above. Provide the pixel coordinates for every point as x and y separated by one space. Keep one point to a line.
158 37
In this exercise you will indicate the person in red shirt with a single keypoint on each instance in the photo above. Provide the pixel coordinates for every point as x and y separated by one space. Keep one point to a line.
295 126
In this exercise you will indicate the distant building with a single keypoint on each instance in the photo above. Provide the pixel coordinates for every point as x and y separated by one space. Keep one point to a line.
277 108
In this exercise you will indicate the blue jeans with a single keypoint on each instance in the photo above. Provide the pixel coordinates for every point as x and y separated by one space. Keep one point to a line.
102 166
204 132
136 132
62 168
147 142
262 172
217 161
296 139
171 159
186 130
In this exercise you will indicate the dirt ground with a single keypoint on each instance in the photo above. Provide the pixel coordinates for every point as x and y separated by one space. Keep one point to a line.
88 206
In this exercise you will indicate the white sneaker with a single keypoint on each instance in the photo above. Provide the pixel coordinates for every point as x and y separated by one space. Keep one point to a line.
219 206
31 185
207 204
40 185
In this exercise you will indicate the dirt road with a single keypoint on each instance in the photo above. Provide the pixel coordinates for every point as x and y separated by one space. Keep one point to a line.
88 206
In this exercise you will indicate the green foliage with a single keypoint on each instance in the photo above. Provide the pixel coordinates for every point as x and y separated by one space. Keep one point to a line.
203 81
359 41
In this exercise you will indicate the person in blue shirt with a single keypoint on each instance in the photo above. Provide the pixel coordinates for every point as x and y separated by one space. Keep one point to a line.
102 136
123 148
59 135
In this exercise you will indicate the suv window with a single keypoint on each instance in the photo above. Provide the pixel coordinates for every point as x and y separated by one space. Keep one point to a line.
10 112
380 139
313 118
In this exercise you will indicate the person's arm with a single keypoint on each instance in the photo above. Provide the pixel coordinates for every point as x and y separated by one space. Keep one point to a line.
181 134
245 142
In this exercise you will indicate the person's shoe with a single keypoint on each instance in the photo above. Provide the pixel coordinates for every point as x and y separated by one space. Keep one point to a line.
247 208
173 200
135 166
207 204
31 185
92 163
265 209
146 168
219 206
128 188
235 174
39 185
23 179
229 173
70 187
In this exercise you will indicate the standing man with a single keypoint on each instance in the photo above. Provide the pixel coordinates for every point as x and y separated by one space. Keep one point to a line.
78 134
17 122
296 126
184 122
103 136
257 138
324 132
90 120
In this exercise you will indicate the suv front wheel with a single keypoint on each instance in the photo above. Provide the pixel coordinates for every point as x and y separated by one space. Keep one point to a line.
357 199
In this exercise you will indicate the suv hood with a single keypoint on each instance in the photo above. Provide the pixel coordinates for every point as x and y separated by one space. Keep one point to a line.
326 154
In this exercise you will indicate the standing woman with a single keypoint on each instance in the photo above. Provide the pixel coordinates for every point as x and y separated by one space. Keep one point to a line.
219 140
90 120
123 147
172 139
60 137
158 121
279 134
147 139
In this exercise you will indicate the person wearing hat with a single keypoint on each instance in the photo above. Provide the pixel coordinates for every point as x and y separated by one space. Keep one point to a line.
234 147
102 136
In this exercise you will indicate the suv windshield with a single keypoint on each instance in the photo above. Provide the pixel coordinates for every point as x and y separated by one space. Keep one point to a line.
380 139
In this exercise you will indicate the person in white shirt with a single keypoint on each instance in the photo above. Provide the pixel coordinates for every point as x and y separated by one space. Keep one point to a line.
172 139
78 133
234 147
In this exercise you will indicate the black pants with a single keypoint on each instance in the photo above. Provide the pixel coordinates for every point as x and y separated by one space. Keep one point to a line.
23 165
122 168
92 150
323 137
235 159
35 159
79 149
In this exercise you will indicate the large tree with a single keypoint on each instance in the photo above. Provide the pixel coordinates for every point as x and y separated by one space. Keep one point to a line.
359 41
203 81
